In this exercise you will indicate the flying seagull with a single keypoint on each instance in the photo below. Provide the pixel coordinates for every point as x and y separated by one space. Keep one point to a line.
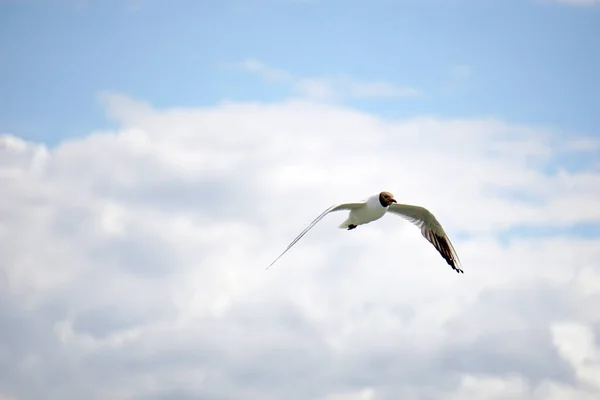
375 207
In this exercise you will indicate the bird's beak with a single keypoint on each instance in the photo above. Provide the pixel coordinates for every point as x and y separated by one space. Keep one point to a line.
393 201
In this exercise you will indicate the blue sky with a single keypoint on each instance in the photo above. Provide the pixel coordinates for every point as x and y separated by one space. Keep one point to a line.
522 61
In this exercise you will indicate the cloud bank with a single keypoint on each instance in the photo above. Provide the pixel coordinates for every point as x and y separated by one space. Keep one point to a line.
133 260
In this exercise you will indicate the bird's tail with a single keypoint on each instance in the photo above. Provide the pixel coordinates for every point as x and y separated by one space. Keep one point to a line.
345 224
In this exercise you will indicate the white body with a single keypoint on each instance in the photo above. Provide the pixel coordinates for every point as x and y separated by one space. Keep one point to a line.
360 216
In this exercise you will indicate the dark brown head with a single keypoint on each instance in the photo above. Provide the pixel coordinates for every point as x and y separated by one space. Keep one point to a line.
386 198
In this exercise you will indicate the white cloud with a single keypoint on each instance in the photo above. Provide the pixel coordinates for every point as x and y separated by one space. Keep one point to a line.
576 344
329 89
133 260
316 89
266 72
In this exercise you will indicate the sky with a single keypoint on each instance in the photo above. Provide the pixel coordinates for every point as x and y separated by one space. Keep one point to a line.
524 61
154 159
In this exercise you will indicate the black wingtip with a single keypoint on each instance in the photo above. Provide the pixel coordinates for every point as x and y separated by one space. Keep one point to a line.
444 250
455 268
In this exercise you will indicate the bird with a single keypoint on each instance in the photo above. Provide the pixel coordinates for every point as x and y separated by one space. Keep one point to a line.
376 206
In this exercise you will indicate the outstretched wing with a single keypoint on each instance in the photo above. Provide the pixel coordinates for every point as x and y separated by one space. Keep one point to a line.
431 229
338 207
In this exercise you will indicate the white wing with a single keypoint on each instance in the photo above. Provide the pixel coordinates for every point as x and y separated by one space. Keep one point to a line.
431 229
338 207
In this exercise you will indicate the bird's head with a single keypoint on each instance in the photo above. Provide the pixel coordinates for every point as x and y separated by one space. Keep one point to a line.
386 198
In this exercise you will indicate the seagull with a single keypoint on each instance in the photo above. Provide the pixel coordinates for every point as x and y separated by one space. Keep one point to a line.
375 207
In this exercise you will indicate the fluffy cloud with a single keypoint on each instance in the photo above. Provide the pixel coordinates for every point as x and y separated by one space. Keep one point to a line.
133 260
328 89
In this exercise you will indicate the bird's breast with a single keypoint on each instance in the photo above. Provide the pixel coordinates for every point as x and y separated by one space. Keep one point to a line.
368 214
